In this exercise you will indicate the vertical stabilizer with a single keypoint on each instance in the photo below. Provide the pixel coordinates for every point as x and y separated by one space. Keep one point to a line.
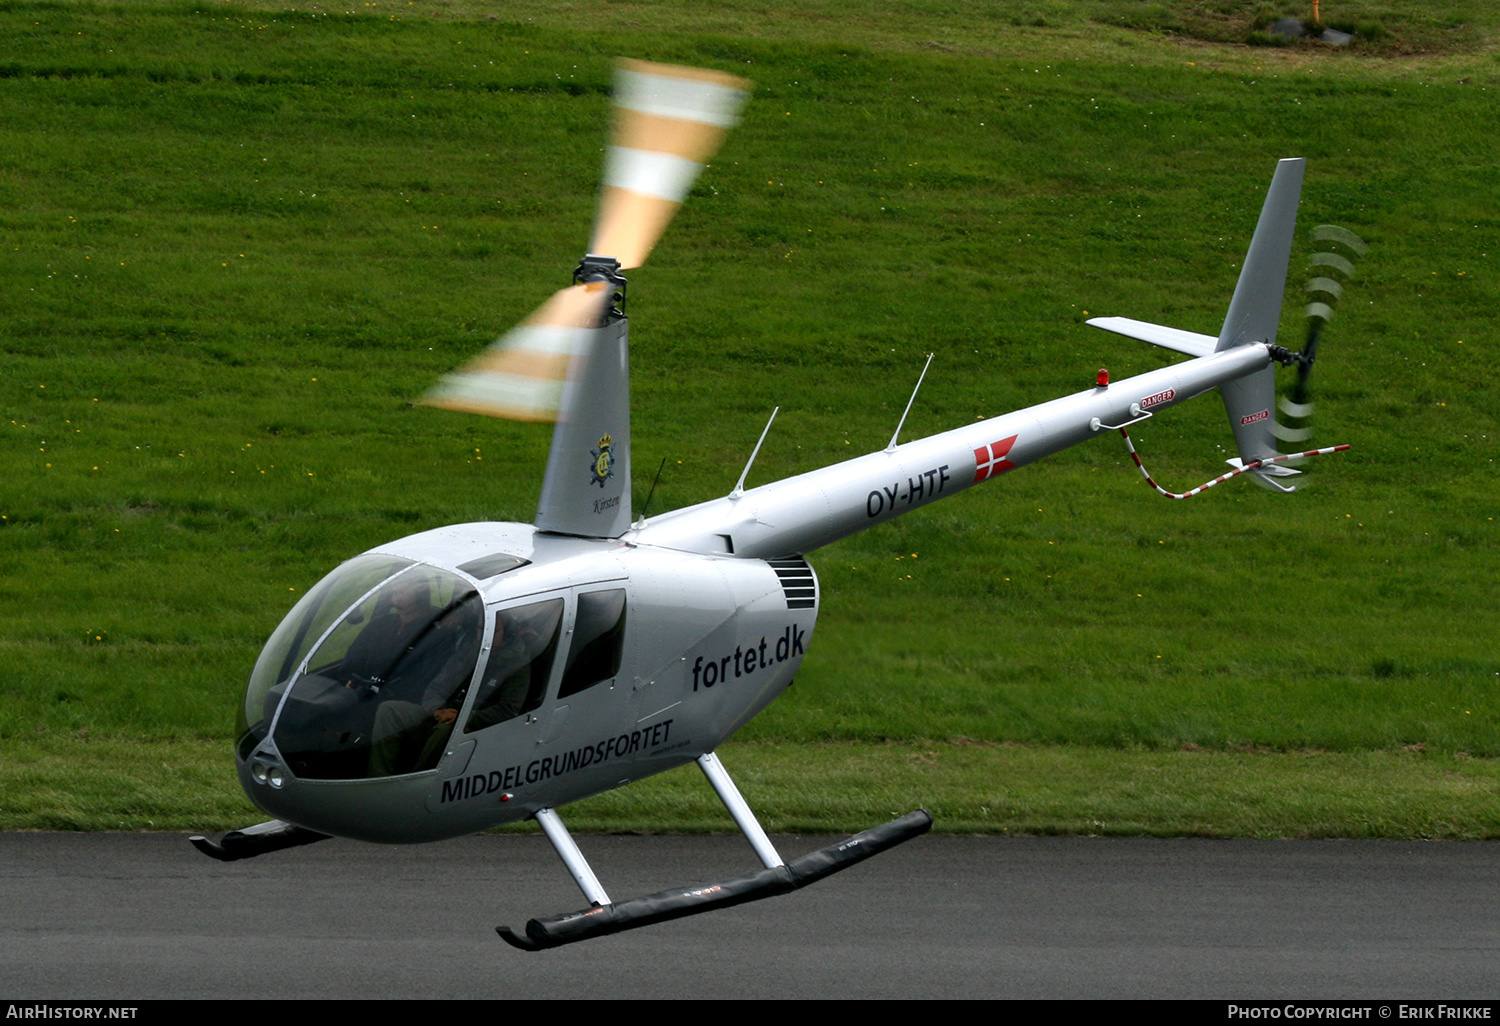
586 490
1255 313
1255 310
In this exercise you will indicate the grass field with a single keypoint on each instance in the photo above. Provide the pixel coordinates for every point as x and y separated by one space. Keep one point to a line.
240 239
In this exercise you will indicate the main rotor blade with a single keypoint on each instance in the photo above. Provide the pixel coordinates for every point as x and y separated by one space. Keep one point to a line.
521 376
668 121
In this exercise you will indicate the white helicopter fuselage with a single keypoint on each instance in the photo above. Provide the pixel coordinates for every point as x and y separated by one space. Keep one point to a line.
484 673
718 610
707 642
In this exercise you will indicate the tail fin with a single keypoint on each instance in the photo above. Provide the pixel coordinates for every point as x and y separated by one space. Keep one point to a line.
1255 313
591 443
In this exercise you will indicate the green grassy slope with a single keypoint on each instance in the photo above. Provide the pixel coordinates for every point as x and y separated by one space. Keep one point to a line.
239 241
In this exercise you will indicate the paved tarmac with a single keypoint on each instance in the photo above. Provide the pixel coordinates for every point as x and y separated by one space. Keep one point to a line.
135 916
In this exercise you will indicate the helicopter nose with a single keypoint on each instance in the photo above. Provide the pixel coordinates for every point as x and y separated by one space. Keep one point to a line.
267 771
386 810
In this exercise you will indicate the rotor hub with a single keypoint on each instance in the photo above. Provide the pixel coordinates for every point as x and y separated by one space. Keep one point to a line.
595 267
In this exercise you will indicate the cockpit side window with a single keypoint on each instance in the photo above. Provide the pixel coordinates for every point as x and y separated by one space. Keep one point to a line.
598 641
520 664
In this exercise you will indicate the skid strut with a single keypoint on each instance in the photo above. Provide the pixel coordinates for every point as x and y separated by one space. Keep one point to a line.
778 877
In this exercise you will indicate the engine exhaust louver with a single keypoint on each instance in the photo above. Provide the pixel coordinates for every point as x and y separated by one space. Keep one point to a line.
797 581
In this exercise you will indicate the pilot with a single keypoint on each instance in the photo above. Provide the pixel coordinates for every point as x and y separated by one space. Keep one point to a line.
427 657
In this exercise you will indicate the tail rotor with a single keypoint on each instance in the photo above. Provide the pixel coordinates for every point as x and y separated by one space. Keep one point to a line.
1333 268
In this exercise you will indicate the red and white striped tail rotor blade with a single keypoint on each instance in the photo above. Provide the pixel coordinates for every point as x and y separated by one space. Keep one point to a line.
668 121
521 376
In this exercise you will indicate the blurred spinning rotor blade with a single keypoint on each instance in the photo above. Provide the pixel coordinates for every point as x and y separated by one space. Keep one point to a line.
1324 291
668 121
521 376
1333 234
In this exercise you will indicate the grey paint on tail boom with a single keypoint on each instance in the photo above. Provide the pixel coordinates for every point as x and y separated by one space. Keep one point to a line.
799 514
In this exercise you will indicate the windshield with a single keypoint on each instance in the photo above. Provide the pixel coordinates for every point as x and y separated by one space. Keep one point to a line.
301 629
379 692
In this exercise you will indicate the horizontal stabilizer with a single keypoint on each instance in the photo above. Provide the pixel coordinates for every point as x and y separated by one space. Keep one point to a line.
1270 470
1189 342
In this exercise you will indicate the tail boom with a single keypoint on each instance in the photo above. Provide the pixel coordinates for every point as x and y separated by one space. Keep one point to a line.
799 514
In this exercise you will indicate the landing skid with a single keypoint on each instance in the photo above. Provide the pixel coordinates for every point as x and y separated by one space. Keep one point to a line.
255 840
606 917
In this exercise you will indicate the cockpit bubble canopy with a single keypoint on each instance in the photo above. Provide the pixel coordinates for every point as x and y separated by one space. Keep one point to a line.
366 675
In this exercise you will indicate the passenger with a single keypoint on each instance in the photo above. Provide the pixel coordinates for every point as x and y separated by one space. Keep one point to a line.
507 680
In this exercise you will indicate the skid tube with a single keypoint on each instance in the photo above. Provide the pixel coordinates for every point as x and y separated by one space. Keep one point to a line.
676 903
256 840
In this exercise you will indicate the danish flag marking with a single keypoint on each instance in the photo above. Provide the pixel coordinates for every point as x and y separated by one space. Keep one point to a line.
990 460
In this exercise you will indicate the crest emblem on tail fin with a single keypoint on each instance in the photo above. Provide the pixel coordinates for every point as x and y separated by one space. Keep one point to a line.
604 462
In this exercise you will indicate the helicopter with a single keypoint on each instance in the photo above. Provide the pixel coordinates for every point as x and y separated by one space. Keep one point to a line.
478 674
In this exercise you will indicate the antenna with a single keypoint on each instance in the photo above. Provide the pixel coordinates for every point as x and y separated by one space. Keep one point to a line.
739 488
647 507
892 446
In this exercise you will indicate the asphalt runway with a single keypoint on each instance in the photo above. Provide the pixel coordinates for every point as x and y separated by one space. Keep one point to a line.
138 916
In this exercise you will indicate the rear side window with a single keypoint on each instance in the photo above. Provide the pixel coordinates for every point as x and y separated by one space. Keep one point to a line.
598 641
